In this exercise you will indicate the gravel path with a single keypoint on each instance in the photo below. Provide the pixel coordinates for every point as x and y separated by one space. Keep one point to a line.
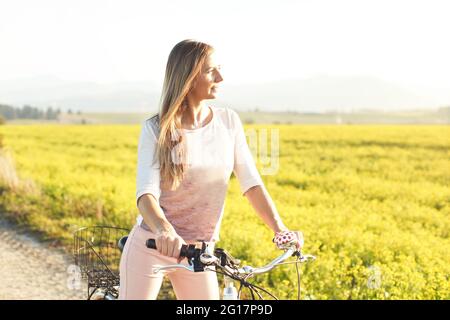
30 269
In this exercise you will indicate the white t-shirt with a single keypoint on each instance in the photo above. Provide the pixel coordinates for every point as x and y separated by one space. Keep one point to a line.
195 208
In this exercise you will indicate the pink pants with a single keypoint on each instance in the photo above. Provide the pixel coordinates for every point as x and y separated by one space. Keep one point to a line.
138 282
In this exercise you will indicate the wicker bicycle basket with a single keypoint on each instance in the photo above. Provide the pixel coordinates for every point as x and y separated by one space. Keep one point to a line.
97 255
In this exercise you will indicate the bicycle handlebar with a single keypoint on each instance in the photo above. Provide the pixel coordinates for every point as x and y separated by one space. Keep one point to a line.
201 258
185 252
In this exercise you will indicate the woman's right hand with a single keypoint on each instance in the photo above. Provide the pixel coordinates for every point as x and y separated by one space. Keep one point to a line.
169 243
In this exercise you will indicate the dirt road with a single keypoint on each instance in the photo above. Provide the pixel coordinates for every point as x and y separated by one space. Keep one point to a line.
30 269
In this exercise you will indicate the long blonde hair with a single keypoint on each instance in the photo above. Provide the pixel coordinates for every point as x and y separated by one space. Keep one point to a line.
184 64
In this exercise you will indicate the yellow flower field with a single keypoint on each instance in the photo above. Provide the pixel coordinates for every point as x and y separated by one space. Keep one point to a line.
372 201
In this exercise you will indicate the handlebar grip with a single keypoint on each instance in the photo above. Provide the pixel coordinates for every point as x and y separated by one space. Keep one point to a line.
151 243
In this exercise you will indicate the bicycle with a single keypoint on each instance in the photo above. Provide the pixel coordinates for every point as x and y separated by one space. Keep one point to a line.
202 257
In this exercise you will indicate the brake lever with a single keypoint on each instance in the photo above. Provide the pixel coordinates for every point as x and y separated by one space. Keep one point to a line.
159 269
298 253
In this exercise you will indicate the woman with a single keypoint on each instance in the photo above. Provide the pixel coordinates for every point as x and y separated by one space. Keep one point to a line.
186 155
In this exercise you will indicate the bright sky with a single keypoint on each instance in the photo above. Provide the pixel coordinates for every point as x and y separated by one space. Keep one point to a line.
129 40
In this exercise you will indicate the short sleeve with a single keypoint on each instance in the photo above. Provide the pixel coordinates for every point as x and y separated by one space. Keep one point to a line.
244 165
147 175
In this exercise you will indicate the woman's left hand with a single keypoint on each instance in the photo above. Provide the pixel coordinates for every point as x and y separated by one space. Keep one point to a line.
284 239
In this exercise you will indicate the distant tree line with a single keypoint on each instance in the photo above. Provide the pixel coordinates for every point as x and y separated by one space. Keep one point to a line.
445 109
445 112
28 112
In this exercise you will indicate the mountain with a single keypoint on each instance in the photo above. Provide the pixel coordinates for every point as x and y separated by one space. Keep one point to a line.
315 94
325 93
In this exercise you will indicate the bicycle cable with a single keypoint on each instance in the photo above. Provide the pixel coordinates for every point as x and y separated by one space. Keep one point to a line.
298 275
298 278
243 283
253 288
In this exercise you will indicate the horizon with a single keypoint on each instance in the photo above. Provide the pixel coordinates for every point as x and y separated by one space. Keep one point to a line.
316 94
